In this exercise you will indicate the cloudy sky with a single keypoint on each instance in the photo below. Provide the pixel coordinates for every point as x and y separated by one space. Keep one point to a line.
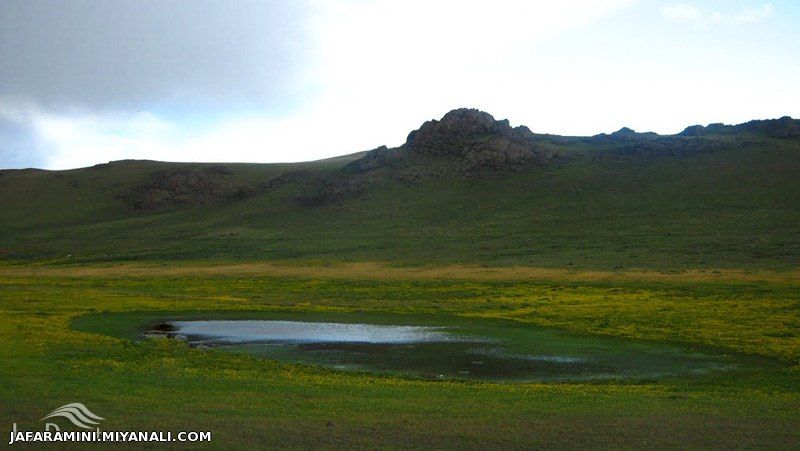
89 81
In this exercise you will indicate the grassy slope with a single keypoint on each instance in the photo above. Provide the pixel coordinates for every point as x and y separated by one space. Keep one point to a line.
732 208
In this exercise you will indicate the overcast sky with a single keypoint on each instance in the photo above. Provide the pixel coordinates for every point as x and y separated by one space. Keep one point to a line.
89 81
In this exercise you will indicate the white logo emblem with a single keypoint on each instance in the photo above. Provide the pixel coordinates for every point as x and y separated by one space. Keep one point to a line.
77 413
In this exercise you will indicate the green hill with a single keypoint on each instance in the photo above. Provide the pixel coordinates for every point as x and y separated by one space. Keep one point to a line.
465 189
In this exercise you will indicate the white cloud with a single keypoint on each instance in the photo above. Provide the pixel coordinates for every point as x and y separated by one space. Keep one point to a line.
380 69
751 15
682 12
82 140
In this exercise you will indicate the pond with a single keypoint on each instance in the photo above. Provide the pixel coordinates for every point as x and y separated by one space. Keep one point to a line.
427 346
255 331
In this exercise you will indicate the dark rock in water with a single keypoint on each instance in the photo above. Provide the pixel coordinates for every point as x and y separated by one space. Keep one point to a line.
164 327
162 331
160 334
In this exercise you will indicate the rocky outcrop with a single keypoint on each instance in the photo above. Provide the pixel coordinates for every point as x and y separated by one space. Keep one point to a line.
185 186
468 139
710 129
785 128
624 132
475 137
623 135
666 146
376 158
456 128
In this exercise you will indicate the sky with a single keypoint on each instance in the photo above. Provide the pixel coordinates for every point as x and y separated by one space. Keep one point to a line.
90 81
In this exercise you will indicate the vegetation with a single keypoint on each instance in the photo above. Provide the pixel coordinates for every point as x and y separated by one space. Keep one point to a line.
600 204
689 240
246 400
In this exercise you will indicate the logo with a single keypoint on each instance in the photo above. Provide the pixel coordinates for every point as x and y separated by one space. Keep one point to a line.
77 413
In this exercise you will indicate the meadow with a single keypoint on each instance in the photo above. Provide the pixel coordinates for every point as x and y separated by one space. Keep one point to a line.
683 240
57 348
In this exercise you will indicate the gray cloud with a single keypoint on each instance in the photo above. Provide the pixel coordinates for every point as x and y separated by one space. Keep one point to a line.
18 146
109 54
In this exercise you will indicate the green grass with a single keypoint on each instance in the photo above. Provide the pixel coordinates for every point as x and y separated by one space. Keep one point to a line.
733 208
697 250
249 401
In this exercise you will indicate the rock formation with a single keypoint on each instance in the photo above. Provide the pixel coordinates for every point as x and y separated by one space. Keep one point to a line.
469 138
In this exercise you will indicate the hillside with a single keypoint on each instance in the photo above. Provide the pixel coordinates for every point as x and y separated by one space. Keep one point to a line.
464 189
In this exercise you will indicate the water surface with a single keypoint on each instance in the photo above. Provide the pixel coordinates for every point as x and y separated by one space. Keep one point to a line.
446 347
253 331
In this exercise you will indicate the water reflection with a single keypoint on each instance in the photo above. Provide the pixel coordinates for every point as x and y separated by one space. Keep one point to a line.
244 331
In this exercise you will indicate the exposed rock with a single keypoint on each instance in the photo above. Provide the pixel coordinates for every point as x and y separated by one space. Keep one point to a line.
476 137
456 129
524 132
470 142
785 127
164 327
668 146
710 129
472 138
375 158
694 130
186 186
283 179
624 132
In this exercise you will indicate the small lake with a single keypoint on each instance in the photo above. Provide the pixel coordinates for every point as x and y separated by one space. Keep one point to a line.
455 348
423 345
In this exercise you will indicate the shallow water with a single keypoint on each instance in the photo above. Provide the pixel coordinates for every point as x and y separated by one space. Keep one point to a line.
253 331
457 348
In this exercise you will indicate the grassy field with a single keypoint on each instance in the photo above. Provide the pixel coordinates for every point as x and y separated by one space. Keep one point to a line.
49 359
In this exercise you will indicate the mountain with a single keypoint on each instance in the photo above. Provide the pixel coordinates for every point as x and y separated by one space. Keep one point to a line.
463 189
